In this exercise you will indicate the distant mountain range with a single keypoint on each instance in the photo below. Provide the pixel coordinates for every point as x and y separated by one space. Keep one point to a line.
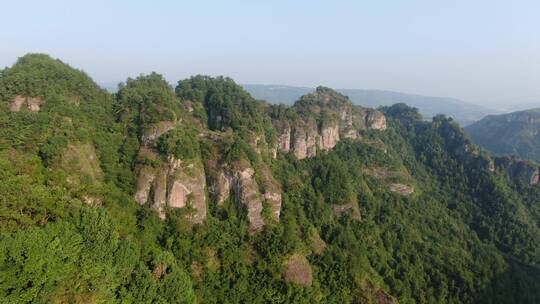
516 133
429 106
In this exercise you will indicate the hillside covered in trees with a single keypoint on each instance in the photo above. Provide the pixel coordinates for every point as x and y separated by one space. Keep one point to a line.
516 133
202 194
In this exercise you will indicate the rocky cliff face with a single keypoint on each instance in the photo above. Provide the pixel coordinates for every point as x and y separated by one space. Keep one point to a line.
304 140
329 136
320 121
470 155
524 171
325 117
376 120
239 180
156 130
271 190
187 187
246 190
176 184
32 104
169 181
462 148
520 170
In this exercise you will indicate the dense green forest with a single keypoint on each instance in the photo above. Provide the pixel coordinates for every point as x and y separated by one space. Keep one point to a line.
199 193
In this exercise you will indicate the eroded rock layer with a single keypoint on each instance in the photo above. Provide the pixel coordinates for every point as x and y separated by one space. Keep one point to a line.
325 117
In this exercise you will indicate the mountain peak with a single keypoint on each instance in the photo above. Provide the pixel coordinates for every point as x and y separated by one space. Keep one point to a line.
323 99
39 75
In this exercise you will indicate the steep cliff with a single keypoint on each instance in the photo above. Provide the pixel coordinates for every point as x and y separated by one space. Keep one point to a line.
521 170
174 183
461 146
169 170
33 104
320 120
237 180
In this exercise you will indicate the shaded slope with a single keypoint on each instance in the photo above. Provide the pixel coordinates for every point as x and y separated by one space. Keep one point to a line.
516 133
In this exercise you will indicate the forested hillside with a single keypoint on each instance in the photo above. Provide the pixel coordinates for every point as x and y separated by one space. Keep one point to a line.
202 194
516 133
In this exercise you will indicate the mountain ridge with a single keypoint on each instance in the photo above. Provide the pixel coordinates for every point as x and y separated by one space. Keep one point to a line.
201 193
513 133
429 106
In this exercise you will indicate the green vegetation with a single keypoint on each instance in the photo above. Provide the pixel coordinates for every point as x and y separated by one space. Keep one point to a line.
509 134
227 105
39 75
181 143
145 100
71 231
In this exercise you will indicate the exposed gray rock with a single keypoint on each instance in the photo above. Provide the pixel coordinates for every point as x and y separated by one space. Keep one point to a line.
525 171
145 178
187 187
176 184
156 130
376 120
223 187
284 140
271 193
329 136
239 179
160 193
401 189
299 143
33 104
247 192
325 117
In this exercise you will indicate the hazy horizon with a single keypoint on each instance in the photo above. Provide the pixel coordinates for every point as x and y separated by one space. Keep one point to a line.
482 52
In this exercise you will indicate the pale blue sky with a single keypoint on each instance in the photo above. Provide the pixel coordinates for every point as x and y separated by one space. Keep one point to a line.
480 51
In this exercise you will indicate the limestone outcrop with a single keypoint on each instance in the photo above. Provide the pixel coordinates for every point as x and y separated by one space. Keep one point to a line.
524 171
401 189
271 193
169 181
186 186
239 180
32 104
156 130
329 136
324 118
304 140
470 155
246 190
175 184
376 120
